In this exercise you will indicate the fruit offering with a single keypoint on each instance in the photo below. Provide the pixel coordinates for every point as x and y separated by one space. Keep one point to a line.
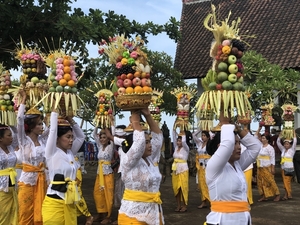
132 83
288 117
223 83
33 79
155 104
62 82
7 114
183 96
266 115
104 108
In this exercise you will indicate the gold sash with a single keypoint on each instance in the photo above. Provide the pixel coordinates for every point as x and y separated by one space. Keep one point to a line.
11 172
71 195
285 159
141 196
229 206
261 157
174 165
101 178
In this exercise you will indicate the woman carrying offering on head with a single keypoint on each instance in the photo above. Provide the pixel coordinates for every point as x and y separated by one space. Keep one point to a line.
141 203
225 177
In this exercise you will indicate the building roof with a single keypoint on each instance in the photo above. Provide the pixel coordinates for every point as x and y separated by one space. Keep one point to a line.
275 23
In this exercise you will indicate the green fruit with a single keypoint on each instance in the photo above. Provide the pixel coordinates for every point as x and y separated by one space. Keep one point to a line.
35 80
2 102
226 85
237 86
52 78
55 83
67 89
52 89
8 102
10 108
74 90
222 66
53 72
59 89
212 86
43 81
222 76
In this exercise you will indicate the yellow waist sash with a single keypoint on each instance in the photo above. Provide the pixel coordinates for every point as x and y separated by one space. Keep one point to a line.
202 156
71 195
101 176
174 165
141 196
284 159
11 172
19 166
229 206
261 157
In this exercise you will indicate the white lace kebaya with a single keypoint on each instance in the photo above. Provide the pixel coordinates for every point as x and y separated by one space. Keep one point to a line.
138 176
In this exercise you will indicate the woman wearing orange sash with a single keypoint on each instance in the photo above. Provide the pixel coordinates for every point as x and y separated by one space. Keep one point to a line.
265 163
104 184
201 162
141 203
180 174
224 174
32 182
8 194
288 150
64 141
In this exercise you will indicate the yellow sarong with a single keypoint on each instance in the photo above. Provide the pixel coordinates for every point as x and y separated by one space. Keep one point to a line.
266 184
201 178
248 177
287 184
81 205
123 219
229 206
103 196
181 181
141 196
31 198
9 207
56 212
174 165
261 157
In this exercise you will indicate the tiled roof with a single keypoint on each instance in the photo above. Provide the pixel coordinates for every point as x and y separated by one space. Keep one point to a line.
276 24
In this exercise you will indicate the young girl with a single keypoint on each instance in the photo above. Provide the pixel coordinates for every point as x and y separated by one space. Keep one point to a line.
8 194
288 150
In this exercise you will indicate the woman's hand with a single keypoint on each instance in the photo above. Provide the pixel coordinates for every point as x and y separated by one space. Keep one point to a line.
23 95
145 112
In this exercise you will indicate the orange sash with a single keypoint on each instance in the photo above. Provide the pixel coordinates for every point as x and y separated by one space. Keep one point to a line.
229 206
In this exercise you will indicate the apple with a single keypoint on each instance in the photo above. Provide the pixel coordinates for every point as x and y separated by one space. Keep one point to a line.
146 82
219 86
231 59
233 68
121 91
232 78
35 80
8 102
130 76
120 83
10 108
222 66
148 75
239 54
136 81
123 76
118 77
143 75
222 76
2 102
127 83
241 79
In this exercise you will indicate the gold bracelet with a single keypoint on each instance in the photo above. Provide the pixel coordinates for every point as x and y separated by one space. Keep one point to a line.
72 123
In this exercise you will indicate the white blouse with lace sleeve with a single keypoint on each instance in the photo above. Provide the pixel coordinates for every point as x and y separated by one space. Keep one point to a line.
137 175
31 154
6 161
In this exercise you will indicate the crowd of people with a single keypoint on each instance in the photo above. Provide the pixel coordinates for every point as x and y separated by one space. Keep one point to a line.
48 189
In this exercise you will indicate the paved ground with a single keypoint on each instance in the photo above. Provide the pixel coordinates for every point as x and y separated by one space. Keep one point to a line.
263 213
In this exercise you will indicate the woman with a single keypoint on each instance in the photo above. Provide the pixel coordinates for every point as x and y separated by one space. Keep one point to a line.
141 203
224 174
265 163
32 182
59 205
104 184
180 174
201 162
8 194
288 150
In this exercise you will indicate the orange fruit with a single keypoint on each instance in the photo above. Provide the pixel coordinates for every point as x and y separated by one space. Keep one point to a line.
66 62
129 90
138 89
63 82
67 69
137 74
67 76
71 83
147 89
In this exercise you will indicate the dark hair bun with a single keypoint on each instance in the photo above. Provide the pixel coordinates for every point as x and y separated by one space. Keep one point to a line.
212 145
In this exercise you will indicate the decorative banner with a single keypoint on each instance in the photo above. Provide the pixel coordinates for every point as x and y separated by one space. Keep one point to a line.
184 96
155 104
7 115
288 116
223 84
33 80
133 82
